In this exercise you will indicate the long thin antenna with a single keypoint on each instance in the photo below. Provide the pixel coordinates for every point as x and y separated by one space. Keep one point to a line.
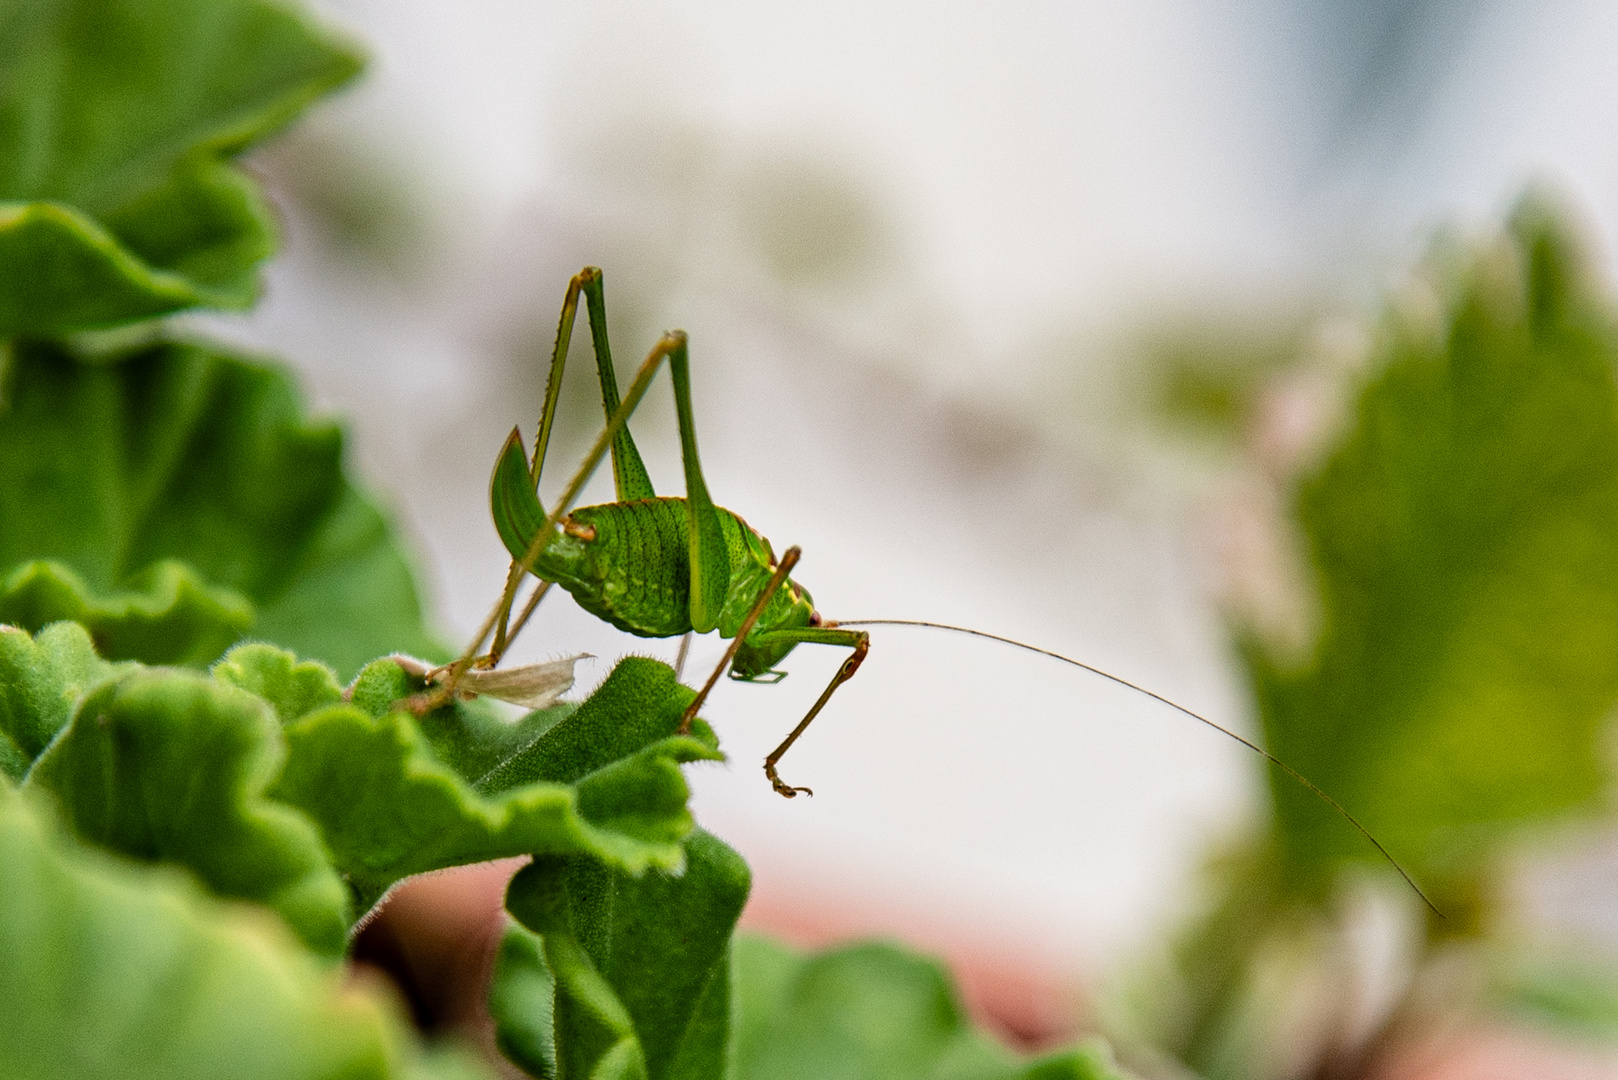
1257 749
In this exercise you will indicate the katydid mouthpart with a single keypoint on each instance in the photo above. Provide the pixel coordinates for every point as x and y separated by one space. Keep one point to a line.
665 567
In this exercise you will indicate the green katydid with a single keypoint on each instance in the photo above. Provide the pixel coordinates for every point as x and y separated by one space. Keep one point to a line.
665 567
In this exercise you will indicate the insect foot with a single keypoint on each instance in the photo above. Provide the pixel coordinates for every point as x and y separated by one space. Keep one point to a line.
783 788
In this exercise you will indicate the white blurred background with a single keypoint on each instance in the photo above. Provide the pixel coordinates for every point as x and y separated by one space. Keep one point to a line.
929 255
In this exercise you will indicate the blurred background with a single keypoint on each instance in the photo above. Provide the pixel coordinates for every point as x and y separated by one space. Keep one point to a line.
1007 314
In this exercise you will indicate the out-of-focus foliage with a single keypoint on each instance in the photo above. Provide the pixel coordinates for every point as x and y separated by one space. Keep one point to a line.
871 1010
1203 370
1463 537
641 966
41 681
172 766
176 498
522 1002
1577 995
118 123
650 985
116 972
1465 540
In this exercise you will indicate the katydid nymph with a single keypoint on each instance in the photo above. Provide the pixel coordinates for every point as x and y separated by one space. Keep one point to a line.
664 567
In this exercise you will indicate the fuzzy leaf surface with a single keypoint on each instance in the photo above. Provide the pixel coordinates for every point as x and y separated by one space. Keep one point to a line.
125 973
41 681
474 738
292 687
872 1011
165 614
118 123
390 806
183 454
522 1002
166 765
641 965
1465 541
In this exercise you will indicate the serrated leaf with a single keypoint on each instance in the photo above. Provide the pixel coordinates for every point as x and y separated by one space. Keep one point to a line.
389 806
41 680
182 453
639 703
166 765
872 1010
641 965
292 687
1465 538
113 971
117 124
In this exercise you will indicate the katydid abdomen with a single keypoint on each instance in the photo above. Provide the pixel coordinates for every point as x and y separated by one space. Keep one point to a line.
629 563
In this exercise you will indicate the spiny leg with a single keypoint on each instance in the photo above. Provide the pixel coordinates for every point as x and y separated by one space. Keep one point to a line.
542 441
858 640
679 658
630 480
709 558
450 676
709 555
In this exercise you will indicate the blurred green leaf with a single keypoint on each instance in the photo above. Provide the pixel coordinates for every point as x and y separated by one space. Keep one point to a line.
181 452
871 1011
522 998
292 687
167 765
1202 368
41 680
1465 536
1572 995
389 806
118 119
164 615
641 965
113 971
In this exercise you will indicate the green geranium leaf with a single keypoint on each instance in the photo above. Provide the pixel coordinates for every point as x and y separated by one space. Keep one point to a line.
641 965
1465 537
115 971
475 738
292 687
389 806
522 1001
182 453
1574 995
871 1010
171 766
164 615
352 595
117 124
41 680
